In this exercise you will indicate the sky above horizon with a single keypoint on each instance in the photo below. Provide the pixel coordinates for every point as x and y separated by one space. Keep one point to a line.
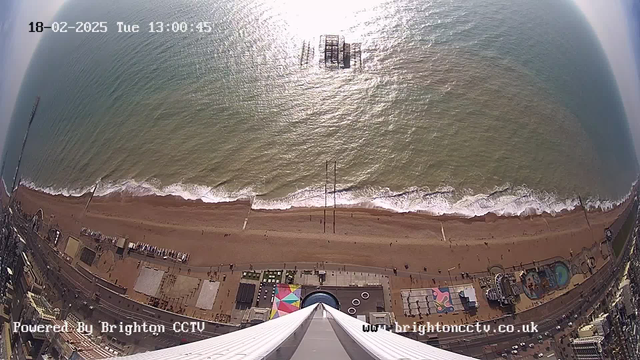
17 46
616 23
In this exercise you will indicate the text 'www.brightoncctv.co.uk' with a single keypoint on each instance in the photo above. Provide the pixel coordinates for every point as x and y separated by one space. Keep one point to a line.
424 328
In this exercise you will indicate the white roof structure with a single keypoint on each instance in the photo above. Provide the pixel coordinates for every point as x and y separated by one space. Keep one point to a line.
588 340
313 333
470 293
208 293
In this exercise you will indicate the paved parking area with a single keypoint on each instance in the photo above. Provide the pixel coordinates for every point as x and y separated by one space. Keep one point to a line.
149 281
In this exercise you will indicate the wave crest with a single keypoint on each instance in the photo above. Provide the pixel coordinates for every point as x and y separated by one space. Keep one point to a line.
143 188
505 200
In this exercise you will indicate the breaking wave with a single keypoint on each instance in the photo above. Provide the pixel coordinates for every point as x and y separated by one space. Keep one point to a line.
142 188
505 200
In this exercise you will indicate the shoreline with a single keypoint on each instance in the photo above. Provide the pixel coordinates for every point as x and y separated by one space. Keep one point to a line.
178 201
224 233
504 201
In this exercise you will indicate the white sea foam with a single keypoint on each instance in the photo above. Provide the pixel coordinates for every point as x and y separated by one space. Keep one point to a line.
143 188
504 201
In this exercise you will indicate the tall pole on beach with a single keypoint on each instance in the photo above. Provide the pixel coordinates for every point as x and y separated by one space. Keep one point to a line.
334 195
584 210
91 197
326 180
24 142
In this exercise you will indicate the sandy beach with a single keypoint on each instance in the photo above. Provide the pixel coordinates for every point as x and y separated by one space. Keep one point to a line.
213 233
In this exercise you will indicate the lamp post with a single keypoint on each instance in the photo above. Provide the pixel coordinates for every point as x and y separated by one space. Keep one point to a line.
449 271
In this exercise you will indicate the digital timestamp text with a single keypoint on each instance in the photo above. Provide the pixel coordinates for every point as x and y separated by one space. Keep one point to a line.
122 27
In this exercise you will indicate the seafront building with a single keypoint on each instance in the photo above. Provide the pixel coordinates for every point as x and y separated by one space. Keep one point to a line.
624 338
599 326
36 311
503 289
616 331
73 344
588 348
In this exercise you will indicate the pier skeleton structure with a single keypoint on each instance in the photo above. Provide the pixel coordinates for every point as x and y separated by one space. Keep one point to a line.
334 53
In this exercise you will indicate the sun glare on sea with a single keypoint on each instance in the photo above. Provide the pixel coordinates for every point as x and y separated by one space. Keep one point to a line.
312 18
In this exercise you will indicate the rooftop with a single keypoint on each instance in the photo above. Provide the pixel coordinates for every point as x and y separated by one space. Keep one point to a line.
41 305
83 345
588 339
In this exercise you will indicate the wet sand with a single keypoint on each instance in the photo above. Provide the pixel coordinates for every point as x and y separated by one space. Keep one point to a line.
213 233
